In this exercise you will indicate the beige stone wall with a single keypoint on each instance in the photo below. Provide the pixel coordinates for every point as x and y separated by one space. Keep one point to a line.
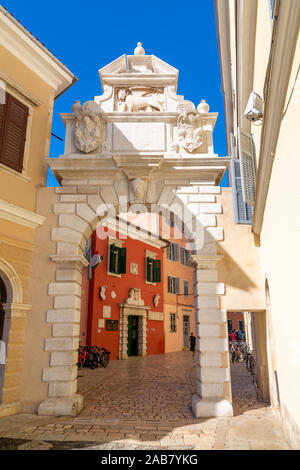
240 268
42 272
17 239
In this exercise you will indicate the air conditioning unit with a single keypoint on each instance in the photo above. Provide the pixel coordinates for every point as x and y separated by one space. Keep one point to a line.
254 108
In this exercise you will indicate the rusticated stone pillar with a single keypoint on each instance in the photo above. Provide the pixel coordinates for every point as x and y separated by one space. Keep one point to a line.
213 396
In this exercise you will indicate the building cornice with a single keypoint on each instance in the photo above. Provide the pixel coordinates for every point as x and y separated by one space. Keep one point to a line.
20 216
23 45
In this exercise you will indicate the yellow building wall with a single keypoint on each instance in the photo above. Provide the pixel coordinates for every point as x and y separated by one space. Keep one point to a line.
280 250
178 304
12 187
17 240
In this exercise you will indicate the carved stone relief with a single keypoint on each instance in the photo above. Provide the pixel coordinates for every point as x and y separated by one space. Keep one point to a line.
88 126
137 190
139 99
190 129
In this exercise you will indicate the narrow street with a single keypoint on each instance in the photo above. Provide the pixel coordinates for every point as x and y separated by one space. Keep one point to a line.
144 403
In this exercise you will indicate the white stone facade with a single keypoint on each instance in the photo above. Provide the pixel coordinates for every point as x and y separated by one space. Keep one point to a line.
155 150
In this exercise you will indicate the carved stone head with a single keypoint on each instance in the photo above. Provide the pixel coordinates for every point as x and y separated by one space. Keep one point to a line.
137 190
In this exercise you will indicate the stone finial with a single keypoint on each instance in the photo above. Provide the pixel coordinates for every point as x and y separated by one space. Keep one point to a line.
139 50
76 107
203 107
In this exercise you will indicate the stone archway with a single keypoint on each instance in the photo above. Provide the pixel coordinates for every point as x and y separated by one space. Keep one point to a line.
79 211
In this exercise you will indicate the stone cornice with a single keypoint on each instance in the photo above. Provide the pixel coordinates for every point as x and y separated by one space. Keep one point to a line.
210 169
20 216
73 260
23 45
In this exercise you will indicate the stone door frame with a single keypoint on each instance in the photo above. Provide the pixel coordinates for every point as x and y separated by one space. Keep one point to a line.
141 312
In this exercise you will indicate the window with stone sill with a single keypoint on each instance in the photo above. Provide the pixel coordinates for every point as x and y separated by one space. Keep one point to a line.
173 252
173 285
153 270
184 256
185 287
117 259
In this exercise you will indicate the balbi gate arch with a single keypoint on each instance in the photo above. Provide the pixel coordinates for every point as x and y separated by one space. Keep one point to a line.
139 144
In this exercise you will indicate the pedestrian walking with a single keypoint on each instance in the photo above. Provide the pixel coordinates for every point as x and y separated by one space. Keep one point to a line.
240 335
192 340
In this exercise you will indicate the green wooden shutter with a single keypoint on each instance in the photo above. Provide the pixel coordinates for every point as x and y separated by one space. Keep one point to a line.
112 259
122 261
148 269
177 285
157 270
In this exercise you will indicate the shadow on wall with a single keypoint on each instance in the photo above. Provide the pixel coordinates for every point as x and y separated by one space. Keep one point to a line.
240 268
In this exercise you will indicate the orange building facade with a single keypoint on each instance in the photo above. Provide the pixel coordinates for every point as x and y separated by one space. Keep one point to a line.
178 282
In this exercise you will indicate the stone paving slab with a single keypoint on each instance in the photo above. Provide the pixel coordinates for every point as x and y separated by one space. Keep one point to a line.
144 403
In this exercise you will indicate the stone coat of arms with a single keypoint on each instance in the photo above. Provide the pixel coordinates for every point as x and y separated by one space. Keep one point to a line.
190 129
88 127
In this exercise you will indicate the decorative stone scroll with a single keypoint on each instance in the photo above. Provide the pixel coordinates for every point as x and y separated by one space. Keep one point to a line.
88 126
190 129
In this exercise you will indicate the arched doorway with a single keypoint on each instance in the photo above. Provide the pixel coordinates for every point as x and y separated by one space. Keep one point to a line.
3 298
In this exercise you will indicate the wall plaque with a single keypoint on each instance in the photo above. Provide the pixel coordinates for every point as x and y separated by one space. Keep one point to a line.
111 325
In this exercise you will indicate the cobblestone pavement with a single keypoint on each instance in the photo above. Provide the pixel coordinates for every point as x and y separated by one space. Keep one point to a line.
144 403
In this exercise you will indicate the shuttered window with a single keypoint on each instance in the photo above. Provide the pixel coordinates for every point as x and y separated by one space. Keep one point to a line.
153 270
173 252
172 322
185 287
242 211
184 256
13 125
173 285
117 259
247 159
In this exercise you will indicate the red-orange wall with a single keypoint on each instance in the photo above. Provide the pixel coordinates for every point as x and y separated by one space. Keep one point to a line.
235 317
136 253
84 306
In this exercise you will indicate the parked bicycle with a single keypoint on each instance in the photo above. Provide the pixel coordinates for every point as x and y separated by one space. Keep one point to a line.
92 357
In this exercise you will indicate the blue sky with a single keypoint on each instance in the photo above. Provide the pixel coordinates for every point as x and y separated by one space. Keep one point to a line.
85 36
